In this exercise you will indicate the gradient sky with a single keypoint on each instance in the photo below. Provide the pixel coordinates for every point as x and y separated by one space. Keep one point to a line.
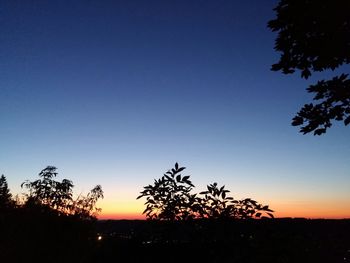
115 92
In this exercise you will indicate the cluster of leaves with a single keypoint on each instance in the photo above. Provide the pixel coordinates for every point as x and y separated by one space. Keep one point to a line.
48 194
48 215
85 206
170 198
216 204
334 95
315 36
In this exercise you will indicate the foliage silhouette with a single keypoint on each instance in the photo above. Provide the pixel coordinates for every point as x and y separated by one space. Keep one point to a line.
216 204
85 206
314 36
49 194
49 226
6 201
170 198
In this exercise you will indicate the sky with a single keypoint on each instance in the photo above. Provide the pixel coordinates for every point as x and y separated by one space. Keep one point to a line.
115 92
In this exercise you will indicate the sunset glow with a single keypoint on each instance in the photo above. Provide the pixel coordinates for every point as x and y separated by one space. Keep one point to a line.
297 209
115 92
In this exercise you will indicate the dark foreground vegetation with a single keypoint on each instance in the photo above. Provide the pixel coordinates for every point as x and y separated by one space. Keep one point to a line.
34 236
170 198
48 225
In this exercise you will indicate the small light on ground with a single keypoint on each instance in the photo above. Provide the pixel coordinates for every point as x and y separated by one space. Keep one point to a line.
99 238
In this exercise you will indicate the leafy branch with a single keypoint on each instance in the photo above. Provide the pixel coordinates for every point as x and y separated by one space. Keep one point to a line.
170 198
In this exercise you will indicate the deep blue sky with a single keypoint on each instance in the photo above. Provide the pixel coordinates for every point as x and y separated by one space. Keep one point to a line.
115 92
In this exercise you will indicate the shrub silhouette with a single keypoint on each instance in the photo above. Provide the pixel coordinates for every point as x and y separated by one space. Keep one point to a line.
85 206
216 204
170 198
47 194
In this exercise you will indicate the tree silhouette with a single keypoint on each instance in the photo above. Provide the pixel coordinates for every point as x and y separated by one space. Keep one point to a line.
50 225
48 194
314 36
85 206
170 198
5 195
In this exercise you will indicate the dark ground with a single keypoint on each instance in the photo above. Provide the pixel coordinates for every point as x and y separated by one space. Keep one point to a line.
278 240
27 238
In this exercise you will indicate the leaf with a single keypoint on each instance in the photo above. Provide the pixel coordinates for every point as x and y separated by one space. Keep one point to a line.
168 177
178 178
176 166
297 120
305 73
185 178
347 121
319 131
181 169
147 209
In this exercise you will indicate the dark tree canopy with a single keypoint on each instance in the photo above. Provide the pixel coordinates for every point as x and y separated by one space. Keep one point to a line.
5 195
52 195
48 192
49 224
314 36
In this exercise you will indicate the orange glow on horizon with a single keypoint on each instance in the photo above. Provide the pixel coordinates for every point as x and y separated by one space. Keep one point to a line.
326 209
138 216
121 216
293 208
